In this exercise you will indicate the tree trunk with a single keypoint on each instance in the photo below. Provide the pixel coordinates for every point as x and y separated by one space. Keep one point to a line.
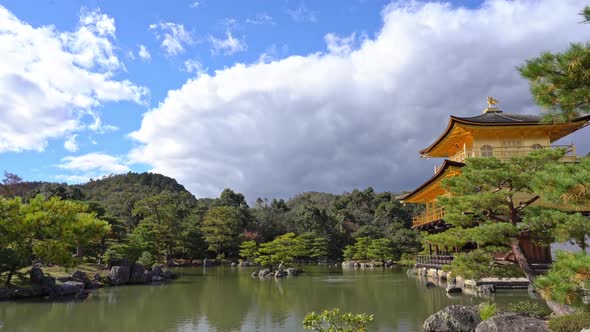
10 274
560 309
522 261
79 252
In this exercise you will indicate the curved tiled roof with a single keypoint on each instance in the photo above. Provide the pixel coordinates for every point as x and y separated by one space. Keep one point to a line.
439 173
497 119
500 117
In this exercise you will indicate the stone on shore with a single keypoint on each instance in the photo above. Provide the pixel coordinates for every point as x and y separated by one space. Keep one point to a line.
137 274
36 275
453 318
119 275
512 322
81 276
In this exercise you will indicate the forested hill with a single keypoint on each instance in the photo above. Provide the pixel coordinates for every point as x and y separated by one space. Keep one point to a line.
152 215
144 184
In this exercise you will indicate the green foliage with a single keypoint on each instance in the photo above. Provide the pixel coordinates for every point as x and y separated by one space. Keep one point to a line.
221 227
248 250
570 323
487 311
567 183
49 229
586 14
529 309
383 250
568 280
484 205
479 264
153 213
560 81
282 250
333 321
147 259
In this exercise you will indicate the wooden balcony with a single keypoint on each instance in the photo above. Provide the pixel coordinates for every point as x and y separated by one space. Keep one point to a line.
433 261
505 152
428 217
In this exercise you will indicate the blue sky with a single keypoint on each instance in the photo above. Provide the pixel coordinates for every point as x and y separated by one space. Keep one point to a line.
270 98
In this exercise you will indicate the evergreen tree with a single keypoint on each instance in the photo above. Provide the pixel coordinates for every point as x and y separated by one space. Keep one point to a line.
483 198
560 82
221 228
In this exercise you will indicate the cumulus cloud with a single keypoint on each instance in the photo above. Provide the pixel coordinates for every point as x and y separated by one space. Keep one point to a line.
227 46
194 66
70 144
174 37
340 45
52 81
143 52
343 119
92 165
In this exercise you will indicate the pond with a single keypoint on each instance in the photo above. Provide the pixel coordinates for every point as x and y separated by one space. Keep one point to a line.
228 299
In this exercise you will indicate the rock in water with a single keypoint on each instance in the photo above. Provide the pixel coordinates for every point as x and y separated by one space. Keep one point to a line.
453 289
513 323
454 318
119 275
4 294
157 271
36 275
168 274
430 284
486 289
137 275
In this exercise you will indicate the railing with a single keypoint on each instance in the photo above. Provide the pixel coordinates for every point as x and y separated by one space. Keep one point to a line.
433 261
428 217
505 152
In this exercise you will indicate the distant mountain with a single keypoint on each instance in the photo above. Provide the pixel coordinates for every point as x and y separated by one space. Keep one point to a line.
118 193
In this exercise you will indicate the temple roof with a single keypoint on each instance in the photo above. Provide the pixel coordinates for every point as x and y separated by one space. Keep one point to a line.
439 175
499 119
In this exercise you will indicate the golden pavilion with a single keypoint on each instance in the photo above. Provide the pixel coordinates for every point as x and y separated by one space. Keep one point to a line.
490 134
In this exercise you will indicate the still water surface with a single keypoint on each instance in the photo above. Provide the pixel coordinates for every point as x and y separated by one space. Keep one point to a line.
228 299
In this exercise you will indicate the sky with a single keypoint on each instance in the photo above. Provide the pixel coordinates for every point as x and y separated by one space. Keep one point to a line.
269 98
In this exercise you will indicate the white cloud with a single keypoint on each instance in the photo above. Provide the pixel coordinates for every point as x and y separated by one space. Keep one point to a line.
73 179
334 122
340 45
227 46
93 165
143 52
51 81
194 66
261 18
301 13
70 144
174 37
195 4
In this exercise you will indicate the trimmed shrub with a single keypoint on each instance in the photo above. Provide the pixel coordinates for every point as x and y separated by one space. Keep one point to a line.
570 323
529 309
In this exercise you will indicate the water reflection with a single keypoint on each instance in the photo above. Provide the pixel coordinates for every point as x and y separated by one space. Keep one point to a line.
228 299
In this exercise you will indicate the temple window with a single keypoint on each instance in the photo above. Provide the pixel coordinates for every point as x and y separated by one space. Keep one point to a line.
487 151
